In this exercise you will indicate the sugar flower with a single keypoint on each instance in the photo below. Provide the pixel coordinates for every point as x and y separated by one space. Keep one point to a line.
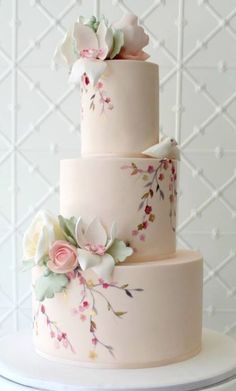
62 257
99 250
135 39
39 237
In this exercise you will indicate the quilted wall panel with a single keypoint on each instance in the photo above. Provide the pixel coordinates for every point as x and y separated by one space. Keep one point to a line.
194 43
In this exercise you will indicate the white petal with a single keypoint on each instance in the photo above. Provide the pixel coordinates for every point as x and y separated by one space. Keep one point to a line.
94 69
49 222
105 39
66 52
87 260
28 235
113 233
78 69
96 233
79 233
85 37
105 268
42 245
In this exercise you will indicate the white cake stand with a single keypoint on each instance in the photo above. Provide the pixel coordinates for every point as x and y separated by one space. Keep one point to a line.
213 369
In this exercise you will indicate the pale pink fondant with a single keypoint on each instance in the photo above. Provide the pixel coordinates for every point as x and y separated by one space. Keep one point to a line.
106 188
132 125
63 257
159 325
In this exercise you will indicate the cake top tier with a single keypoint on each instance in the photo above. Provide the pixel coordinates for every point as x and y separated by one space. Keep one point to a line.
91 41
119 90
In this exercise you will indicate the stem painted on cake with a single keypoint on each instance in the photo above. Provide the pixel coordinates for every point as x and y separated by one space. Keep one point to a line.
153 178
56 333
88 304
99 95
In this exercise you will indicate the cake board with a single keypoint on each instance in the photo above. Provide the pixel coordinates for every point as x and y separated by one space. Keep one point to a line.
213 369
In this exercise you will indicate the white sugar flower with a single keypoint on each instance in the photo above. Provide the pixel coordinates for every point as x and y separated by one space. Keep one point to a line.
40 235
98 250
84 49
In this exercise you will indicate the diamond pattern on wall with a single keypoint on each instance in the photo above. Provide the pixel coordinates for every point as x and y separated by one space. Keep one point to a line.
193 41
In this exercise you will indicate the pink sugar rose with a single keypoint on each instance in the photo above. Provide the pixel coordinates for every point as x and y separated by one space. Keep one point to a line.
63 257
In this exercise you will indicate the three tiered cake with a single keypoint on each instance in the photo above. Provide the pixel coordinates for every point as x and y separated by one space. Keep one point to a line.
109 287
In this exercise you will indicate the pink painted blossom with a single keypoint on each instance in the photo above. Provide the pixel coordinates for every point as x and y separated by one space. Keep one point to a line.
63 257
142 237
65 343
150 169
85 304
82 280
59 337
94 341
105 285
99 85
135 232
161 177
145 225
83 317
52 334
81 308
42 309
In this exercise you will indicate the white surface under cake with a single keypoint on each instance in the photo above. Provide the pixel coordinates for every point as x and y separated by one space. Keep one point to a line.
214 368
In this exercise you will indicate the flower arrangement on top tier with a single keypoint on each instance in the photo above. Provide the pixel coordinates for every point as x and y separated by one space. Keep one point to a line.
64 248
91 41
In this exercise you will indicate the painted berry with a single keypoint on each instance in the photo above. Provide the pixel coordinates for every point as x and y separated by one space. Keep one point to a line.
148 209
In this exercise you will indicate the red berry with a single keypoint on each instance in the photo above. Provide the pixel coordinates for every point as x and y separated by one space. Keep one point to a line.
150 169
145 225
148 209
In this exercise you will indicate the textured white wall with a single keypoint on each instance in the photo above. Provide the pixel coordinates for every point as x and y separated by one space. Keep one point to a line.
195 44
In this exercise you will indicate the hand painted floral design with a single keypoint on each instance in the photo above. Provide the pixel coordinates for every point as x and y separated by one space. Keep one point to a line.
152 178
60 337
87 310
99 95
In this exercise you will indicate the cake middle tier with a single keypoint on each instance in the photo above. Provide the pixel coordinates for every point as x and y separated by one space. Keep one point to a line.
138 194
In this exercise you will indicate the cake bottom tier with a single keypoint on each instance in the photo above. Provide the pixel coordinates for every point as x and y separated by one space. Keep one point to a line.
149 315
